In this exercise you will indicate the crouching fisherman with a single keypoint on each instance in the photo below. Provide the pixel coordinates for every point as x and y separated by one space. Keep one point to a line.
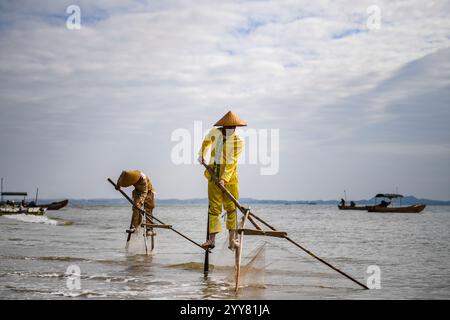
226 147
143 196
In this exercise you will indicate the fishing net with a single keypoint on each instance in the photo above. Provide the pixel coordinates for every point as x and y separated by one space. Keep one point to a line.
253 268
252 265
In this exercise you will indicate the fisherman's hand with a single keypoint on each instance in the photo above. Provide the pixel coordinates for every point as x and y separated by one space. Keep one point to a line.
117 187
222 182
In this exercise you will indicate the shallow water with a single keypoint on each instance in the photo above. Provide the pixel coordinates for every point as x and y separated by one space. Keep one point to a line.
411 250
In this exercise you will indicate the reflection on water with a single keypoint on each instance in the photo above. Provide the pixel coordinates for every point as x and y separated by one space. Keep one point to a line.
138 265
412 252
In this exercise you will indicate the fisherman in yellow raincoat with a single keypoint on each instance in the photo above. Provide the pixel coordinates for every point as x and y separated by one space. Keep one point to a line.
226 147
143 196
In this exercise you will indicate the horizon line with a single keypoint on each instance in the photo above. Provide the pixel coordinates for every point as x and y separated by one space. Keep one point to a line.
247 198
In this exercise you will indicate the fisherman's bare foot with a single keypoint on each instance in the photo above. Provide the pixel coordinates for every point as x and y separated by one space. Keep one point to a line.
232 237
231 245
208 244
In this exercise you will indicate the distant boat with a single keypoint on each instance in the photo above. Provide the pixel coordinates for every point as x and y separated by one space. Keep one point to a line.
11 207
50 206
32 204
416 208
24 207
385 206
344 207
4 210
352 206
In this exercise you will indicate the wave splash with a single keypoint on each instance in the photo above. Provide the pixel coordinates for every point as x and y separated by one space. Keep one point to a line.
34 219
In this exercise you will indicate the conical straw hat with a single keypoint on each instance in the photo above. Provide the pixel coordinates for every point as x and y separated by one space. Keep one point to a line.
128 178
230 120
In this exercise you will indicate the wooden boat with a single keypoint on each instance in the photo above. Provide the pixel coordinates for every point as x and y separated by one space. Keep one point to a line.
385 206
52 206
17 210
11 207
416 208
341 207
32 204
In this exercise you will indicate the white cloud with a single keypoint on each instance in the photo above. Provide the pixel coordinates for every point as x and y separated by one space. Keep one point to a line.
137 70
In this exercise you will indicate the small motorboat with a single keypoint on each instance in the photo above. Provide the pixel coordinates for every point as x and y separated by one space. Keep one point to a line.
21 210
385 206
344 207
30 204
416 208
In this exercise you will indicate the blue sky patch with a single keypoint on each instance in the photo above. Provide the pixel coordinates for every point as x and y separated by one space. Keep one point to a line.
251 26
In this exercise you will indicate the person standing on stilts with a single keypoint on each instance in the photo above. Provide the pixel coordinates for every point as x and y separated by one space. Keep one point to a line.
143 196
226 147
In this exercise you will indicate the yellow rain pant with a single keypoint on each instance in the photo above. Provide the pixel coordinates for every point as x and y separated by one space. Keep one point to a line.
217 199
144 198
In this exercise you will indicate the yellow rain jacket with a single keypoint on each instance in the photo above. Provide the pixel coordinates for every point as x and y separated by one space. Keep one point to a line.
224 157
224 154
143 193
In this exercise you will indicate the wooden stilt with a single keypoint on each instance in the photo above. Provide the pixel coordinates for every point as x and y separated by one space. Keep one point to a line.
239 250
145 234
206 261
151 226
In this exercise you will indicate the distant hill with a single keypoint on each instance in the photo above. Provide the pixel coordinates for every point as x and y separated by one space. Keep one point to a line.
408 200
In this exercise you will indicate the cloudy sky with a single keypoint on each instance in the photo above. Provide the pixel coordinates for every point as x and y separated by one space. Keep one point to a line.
357 108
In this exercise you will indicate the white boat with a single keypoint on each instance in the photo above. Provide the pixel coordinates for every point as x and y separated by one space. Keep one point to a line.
18 210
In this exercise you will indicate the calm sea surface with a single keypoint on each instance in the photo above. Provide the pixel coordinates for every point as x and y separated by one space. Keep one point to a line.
412 252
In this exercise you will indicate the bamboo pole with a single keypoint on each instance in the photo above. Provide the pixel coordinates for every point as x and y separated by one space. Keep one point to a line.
36 198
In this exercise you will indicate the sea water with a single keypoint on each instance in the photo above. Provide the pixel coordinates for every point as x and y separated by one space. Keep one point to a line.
38 255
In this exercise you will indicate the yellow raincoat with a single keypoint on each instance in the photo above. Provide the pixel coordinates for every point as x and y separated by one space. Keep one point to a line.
143 193
225 152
